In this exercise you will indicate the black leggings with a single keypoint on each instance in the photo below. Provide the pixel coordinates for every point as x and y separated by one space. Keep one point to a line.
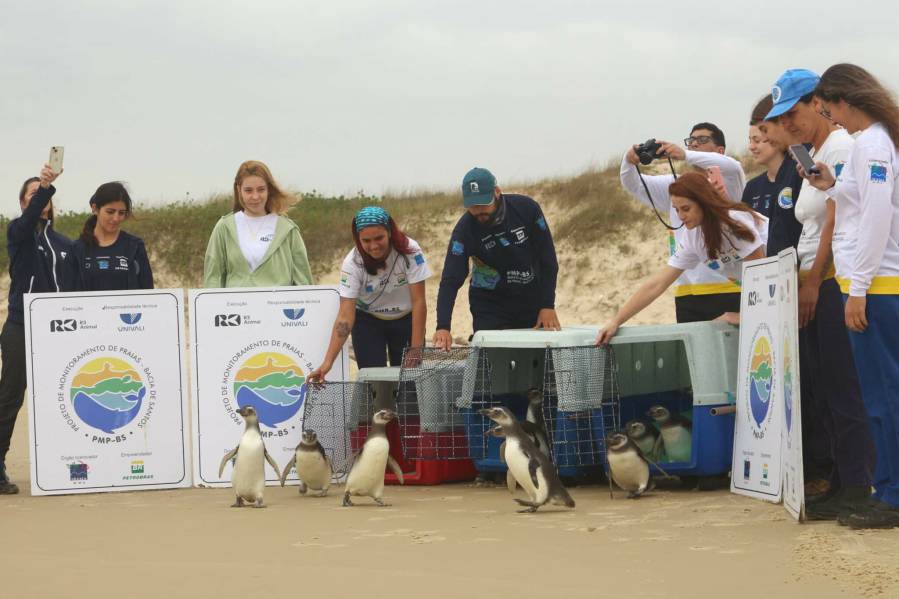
12 381
371 336
699 308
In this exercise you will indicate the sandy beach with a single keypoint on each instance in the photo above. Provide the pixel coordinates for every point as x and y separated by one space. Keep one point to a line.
455 540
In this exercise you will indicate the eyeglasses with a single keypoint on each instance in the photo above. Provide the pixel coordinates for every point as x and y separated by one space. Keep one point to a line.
825 113
698 140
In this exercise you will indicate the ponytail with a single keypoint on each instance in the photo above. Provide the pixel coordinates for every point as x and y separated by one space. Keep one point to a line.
87 233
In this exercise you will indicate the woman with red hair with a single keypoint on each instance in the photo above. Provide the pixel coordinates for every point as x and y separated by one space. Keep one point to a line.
382 294
717 232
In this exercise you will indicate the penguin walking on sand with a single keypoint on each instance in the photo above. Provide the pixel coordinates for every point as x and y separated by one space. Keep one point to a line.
248 475
644 435
675 434
534 424
627 465
497 431
313 466
366 477
532 470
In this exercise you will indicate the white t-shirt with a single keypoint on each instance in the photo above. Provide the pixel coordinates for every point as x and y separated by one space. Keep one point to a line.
692 252
255 234
700 278
866 236
385 294
811 208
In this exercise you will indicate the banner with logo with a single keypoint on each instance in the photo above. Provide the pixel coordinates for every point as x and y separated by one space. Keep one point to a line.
255 347
107 391
793 480
757 462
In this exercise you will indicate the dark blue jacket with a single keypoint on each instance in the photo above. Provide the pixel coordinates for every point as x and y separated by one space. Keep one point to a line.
140 275
777 200
35 257
514 263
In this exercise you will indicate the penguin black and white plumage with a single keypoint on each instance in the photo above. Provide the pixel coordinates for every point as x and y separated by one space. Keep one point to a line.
534 424
497 431
627 465
366 477
644 435
312 464
250 455
675 434
531 468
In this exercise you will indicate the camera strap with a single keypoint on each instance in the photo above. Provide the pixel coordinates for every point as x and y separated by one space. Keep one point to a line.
649 195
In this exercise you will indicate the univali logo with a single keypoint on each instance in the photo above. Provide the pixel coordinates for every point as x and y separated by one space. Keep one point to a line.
294 313
771 288
63 326
227 320
133 318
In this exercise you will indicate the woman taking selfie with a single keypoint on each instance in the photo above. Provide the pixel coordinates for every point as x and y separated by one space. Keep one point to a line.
36 254
382 294
106 258
256 245
866 255
717 232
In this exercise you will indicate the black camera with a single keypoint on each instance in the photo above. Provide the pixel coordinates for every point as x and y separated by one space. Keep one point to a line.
646 151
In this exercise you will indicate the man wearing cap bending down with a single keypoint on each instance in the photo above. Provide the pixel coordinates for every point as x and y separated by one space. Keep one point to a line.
514 266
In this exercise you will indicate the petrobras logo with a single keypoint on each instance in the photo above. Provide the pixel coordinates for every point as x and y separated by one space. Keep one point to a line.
130 319
294 317
137 471
776 93
227 320
64 325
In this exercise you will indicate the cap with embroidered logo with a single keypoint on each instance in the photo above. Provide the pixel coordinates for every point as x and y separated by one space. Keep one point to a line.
477 187
790 88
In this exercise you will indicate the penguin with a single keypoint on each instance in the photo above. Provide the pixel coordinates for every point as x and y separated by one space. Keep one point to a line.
313 466
675 434
644 435
528 465
248 475
534 424
366 477
627 465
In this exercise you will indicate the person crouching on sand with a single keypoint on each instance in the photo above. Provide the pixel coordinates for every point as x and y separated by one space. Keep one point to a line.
717 232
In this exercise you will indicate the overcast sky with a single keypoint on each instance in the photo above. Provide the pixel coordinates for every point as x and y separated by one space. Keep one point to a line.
390 95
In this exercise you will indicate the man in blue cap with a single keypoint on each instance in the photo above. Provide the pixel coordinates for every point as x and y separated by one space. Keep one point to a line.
514 266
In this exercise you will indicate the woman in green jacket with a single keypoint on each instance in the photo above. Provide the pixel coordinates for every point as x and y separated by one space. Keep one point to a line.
256 245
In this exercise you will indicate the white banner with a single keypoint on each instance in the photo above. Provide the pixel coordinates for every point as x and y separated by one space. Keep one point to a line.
756 469
793 480
255 346
106 383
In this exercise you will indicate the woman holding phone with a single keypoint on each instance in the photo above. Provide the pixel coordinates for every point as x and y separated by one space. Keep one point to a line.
36 255
382 294
256 245
719 234
866 255
106 258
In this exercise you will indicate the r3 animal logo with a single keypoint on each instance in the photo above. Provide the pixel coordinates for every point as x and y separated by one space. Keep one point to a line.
63 326
754 298
227 320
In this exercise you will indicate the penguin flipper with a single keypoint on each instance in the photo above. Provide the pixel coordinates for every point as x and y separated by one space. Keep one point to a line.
511 483
533 466
228 456
290 464
395 468
502 452
271 460
657 448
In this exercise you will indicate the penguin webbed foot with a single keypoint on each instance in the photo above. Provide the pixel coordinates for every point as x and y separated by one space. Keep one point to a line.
323 492
528 510
303 488
346 500
259 503
238 502
380 502
530 506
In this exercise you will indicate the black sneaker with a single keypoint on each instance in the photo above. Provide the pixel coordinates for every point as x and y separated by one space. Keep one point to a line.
874 518
872 504
848 500
6 487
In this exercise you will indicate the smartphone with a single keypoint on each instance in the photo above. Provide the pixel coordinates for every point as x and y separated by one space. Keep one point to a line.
801 155
715 177
55 162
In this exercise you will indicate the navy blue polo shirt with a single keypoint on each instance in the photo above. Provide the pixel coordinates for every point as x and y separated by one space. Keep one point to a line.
777 200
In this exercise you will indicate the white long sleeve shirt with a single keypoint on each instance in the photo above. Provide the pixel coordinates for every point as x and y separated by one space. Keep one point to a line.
699 280
866 235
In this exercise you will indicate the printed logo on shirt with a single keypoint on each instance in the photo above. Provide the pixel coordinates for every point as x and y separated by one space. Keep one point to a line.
484 276
541 222
713 264
419 259
344 278
103 264
400 280
457 248
838 169
504 242
785 198
520 235
519 277
489 245
267 238
369 288
878 172
123 262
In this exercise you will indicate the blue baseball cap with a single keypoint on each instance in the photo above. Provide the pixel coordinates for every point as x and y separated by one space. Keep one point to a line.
791 86
477 187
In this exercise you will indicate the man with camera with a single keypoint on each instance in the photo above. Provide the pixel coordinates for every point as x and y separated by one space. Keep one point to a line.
514 266
700 293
